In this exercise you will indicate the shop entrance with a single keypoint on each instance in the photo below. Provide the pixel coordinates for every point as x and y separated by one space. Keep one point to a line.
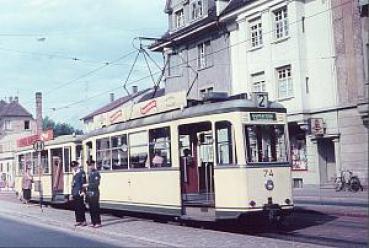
327 161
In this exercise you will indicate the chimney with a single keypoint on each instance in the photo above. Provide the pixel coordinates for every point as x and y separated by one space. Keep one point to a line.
39 112
16 99
10 99
112 97
134 89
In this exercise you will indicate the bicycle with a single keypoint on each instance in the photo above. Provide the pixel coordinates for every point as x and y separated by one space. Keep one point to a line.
347 181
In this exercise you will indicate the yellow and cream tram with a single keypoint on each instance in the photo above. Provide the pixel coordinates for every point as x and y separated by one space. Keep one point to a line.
216 159
236 163
54 179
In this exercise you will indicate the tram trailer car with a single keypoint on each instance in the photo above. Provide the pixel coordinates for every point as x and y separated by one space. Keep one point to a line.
238 162
53 182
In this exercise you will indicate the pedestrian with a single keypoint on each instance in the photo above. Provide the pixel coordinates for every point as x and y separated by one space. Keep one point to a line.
79 179
27 180
93 193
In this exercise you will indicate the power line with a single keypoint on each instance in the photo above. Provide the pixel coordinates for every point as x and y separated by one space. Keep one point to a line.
211 53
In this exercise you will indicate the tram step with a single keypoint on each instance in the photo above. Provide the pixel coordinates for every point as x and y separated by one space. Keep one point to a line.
199 213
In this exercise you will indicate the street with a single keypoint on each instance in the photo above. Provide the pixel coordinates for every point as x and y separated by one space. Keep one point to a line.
54 227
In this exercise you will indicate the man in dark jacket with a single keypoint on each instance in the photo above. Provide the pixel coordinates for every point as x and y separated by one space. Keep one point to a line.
79 179
93 193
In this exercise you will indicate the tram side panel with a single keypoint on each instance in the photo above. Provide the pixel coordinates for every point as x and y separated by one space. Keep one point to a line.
152 191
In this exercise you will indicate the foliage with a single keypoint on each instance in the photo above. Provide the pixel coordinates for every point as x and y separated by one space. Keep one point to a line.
59 128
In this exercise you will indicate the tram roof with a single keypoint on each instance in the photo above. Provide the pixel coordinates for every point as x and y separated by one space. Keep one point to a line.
188 112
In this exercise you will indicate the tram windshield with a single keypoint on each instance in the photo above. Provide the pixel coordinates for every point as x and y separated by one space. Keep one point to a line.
266 143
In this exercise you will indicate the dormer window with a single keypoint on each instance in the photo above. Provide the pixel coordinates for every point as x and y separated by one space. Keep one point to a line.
179 18
196 9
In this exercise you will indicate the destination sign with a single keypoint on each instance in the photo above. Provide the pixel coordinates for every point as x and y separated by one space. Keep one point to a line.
263 116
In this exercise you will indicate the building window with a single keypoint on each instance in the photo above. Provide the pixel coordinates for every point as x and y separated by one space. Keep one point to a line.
179 19
224 143
285 84
7 125
138 152
280 23
174 65
26 125
119 152
256 33
160 147
196 9
258 82
206 91
103 154
203 55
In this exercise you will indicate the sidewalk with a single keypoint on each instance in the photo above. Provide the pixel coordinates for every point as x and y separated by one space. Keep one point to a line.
332 202
133 232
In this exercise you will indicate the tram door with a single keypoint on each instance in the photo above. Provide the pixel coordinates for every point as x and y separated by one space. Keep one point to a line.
197 165
58 174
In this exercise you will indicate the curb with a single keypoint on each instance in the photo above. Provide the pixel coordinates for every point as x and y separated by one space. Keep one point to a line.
326 210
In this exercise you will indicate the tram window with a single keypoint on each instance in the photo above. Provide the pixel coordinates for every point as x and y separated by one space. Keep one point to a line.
160 147
266 143
224 142
67 151
119 152
45 161
138 150
103 154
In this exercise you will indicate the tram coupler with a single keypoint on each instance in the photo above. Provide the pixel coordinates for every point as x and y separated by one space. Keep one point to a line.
274 212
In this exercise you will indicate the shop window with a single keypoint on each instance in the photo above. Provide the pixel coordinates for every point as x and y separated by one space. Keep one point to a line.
224 143
138 152
119 152
103 154
160 147
298 183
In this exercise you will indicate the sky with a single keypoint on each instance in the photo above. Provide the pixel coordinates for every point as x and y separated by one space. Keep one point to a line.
61 48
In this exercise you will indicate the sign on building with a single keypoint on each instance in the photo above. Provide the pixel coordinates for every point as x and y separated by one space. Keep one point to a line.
317 126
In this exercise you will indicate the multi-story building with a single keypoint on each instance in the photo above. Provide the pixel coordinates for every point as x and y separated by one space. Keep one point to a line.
308 55
195 47
15 122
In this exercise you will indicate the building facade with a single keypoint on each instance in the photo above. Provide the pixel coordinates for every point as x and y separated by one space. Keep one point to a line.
311 56
15 122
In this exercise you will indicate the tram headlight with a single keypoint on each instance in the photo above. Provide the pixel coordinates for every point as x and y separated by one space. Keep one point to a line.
269 185
287 201
252 203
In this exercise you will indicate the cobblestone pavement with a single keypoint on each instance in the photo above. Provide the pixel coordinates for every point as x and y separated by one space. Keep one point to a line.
135 232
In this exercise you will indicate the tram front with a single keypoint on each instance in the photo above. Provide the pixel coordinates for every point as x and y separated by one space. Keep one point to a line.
268 172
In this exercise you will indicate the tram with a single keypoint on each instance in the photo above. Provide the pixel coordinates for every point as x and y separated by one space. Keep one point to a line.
221 158
53 179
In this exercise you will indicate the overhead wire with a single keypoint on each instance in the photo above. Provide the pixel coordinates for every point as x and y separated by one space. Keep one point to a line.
211 53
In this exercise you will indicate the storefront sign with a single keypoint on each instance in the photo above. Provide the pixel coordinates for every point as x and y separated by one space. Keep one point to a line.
116 117
263 116
30 140
317 126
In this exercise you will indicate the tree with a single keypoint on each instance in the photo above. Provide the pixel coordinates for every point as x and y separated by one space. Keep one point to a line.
59 128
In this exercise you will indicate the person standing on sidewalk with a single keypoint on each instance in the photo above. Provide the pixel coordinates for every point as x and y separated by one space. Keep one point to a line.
79 179
27 180
93 193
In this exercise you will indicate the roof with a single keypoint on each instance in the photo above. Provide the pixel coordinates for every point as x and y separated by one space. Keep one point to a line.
198 110
13 109
110 106
234 5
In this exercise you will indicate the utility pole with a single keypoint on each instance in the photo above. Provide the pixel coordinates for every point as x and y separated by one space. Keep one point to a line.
39 145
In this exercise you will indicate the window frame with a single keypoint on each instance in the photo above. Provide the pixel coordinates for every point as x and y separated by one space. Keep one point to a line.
284 78
179 20
258 81
258 31
230 142
146 145
168 162
204 52
196 9
102 151
280 23
123 137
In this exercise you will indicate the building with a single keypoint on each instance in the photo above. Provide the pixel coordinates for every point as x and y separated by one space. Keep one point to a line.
189 45
308 55
15 122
